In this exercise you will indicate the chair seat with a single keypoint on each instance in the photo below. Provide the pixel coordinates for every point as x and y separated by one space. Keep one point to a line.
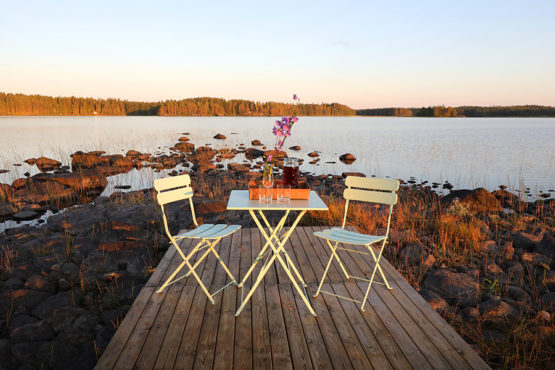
340 235
209 231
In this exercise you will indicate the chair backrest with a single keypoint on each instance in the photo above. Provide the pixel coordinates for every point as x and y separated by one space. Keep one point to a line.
371 189
173 189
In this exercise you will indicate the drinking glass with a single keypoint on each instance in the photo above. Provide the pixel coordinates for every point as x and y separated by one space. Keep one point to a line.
264 194
283 193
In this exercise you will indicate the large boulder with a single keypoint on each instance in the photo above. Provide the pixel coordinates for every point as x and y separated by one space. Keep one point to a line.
237 167
496 310
46 164
455 288
477 200
6 192
547 246
347 158
253 153
79 181
80 160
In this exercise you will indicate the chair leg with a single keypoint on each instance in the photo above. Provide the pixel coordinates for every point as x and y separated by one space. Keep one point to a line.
323 276
334 254
222 262
376 268
170 278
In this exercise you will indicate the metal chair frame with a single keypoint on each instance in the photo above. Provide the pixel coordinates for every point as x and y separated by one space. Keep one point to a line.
173 189
363 189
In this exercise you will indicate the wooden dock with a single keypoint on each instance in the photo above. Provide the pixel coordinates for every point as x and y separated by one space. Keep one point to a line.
179 328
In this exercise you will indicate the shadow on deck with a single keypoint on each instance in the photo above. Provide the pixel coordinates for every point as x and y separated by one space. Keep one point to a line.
179 328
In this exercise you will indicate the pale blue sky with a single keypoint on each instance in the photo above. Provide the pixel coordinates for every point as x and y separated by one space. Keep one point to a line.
361 53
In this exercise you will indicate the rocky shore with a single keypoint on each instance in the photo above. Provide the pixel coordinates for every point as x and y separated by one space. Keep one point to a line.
484 260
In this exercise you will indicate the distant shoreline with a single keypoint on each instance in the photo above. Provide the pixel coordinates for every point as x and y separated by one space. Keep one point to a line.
39 105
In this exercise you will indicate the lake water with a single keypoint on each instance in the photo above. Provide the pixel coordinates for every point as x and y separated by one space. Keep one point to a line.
467 152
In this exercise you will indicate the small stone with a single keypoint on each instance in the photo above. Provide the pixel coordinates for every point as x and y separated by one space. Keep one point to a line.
256 142
63 284
543 316
32 332
295 147
25 215
38 282
347 158
220 137
313 154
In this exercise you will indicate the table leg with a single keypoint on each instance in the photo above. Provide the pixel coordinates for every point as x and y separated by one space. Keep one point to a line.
268 243
276 251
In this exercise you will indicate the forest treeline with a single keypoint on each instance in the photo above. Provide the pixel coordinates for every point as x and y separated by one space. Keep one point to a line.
39 105
463 111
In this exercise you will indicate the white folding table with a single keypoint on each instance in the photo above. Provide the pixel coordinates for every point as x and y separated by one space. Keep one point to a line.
239 201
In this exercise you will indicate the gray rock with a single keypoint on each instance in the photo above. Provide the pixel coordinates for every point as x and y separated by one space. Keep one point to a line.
523 241
547 302
496 310
38 282
25 215
547 246
12 284
21 320
412 254
537 260
471 313
87 322
33 332
63 317
549 280
47 306
22 299
455 288
437 303
519 295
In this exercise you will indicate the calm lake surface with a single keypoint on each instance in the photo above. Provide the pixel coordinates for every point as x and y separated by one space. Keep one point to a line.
467 152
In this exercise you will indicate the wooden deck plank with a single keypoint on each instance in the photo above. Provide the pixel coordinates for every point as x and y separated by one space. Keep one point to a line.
189 341
172 340
180 328
261 349
281 357
242 357
335 346
226 330
352 344
204 357
318 353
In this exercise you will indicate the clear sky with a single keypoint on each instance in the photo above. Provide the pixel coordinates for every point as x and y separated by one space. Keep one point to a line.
360 53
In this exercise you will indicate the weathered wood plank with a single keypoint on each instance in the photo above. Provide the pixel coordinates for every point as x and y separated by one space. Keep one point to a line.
261 348
189 342
281 358
314 341
336 348
204 357
242 357
226 330
172 340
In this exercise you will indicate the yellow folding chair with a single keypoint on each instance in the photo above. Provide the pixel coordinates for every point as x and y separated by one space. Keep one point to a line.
173 189
363 189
